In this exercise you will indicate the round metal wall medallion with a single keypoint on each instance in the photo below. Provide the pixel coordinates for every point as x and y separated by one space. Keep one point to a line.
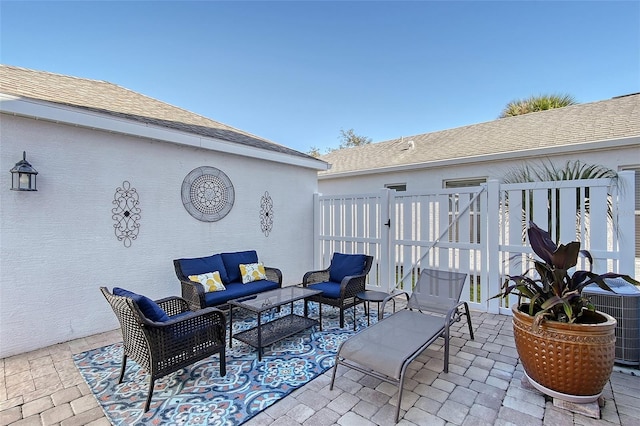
207 194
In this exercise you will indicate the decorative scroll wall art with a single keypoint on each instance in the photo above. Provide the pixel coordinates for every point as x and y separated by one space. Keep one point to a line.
207 194
126 214
266 213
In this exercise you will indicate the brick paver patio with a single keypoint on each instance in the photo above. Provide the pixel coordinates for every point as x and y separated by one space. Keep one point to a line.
483 387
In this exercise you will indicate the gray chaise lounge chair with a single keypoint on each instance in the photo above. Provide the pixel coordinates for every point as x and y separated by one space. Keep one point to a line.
385 349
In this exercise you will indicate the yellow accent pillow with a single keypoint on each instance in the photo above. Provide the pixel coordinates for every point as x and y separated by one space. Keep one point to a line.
211 281
252 272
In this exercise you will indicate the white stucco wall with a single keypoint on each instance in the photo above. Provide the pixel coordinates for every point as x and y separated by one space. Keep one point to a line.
433 176
57 245
606 154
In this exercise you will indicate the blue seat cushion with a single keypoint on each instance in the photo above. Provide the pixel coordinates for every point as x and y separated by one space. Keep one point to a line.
232 263
149 308
344 265
329 289
203 265
237 289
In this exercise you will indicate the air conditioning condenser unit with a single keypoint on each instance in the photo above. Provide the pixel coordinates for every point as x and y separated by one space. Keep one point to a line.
624 305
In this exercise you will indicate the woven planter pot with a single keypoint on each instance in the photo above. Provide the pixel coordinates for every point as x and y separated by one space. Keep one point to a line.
567 361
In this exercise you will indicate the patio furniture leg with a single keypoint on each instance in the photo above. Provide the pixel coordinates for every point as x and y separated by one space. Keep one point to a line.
341 318
446 348
223 363
400 388
403 370
333 375
354 317
122 368
320 310
259 337
230 326
466 308
146 405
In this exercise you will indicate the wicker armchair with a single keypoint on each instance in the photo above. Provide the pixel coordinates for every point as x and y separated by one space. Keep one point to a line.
339 291
164 347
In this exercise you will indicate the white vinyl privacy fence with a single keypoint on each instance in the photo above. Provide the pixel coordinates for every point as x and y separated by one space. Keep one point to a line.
477 230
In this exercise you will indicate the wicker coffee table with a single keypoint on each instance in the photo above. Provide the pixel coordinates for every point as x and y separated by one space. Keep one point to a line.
265 334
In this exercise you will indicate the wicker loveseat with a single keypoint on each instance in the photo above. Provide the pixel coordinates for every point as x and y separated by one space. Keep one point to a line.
228 267
165 336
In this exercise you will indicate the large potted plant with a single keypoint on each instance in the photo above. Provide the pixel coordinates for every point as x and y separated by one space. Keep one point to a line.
566 347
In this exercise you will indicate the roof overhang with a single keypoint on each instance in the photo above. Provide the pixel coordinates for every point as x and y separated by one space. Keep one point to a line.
57 113
606 144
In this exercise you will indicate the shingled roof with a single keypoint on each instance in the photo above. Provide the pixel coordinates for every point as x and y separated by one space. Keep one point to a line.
604 120
117 101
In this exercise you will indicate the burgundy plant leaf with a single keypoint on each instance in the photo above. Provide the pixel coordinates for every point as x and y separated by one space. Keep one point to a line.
541 243
587 254
556 293
579 280
566 257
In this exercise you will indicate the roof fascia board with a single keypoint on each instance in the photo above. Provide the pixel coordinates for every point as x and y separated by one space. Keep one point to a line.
523 154
48 111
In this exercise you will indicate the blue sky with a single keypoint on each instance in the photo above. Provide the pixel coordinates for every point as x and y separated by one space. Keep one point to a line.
298 72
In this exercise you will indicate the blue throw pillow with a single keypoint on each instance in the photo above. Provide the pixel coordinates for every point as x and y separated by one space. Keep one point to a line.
204 265
149 308
232 263
343 265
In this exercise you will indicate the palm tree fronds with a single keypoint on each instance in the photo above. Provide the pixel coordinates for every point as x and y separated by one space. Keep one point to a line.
537 103
548 171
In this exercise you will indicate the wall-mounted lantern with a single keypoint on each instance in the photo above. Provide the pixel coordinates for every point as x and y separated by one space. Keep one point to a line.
23 176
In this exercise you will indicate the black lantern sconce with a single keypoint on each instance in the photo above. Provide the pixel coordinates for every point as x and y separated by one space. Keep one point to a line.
23 176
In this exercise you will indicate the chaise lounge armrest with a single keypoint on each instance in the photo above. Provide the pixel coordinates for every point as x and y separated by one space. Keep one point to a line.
392 297
450 314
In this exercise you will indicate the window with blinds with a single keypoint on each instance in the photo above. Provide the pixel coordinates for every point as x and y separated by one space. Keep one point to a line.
462 183
637 197
473 217
636 170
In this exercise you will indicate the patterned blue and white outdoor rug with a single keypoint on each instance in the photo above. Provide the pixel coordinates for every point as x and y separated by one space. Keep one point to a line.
198 395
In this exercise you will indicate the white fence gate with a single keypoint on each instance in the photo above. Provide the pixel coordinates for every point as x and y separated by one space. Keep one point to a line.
477 230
